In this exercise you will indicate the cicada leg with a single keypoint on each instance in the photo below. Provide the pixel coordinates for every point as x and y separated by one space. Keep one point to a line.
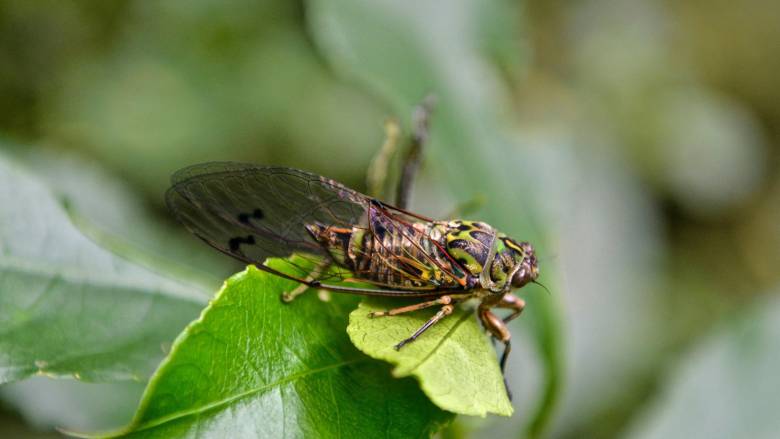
448 302
421 118
316 272
498 329
510 301
443 312
443 300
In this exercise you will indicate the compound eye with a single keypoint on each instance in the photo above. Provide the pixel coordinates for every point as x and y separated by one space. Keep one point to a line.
521 277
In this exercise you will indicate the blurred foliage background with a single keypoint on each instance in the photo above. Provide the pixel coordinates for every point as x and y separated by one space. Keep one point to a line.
642 136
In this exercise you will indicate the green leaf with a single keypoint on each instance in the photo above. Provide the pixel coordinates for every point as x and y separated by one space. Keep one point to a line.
252 366
69 306
726 387
453 360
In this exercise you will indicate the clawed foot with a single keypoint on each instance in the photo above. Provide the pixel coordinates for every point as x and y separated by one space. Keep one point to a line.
402 344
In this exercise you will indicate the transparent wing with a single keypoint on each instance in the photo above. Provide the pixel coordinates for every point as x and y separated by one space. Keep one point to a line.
255 212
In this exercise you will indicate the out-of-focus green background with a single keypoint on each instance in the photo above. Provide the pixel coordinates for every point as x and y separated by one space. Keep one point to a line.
643 136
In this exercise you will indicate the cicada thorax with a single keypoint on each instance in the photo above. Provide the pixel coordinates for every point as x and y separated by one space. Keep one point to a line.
398 256
476 244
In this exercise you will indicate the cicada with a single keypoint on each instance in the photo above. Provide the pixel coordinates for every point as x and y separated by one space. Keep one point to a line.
253 213
353 243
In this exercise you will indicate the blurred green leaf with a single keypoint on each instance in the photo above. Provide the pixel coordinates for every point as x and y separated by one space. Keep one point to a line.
453 360
254 366
726 387
109 212
70 307
47 404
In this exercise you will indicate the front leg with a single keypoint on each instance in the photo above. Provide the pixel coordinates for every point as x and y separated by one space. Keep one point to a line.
510 301
498 329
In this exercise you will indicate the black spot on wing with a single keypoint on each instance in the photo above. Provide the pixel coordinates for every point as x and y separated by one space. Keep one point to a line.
244 217
235 243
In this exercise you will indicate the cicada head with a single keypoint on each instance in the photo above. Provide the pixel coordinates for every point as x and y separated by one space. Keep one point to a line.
527 268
